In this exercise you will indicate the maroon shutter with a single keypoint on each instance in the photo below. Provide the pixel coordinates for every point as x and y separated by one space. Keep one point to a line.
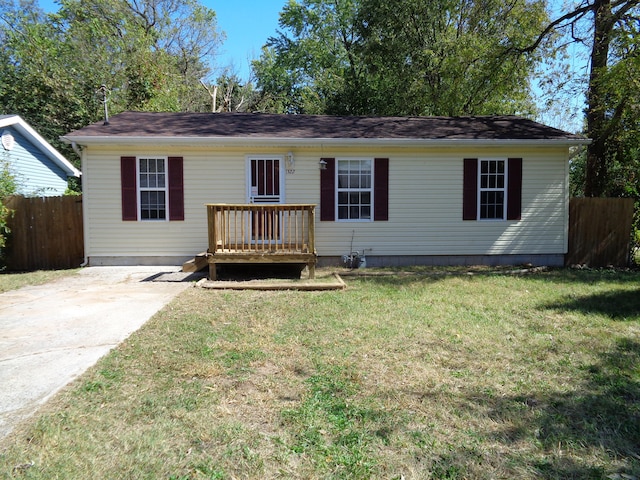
129 188
470 189
514 189
176 189
381 190
327 191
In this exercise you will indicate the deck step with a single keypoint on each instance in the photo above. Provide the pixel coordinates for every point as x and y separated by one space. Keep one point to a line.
198 263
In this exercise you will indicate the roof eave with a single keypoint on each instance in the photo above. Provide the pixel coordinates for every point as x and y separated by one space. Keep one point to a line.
85 140
56 157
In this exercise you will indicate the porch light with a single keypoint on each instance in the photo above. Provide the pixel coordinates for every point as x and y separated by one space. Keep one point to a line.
290 161
323 164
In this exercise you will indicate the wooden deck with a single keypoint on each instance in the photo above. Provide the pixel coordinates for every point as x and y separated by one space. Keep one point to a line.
261 233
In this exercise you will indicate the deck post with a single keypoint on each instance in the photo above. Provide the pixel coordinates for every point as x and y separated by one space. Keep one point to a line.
312 241
213 274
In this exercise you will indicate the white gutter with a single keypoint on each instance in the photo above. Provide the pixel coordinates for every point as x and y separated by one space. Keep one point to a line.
77 148
85 206
304 142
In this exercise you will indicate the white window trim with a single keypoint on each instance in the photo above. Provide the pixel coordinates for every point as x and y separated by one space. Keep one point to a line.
338 189
504 189
282 175
140 189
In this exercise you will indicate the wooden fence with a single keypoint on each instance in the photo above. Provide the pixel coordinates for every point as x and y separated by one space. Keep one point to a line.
46 233
599 231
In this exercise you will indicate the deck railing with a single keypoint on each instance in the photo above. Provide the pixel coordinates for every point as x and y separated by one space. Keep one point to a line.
277 229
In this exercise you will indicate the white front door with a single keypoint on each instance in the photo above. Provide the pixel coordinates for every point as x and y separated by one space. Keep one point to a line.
265 182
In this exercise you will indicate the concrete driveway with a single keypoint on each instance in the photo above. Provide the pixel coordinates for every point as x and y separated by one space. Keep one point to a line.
50 334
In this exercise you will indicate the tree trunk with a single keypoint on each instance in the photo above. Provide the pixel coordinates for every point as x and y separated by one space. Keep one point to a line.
597 166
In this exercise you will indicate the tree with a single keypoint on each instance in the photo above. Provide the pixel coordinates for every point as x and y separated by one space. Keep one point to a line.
416 57
8 186
230 94
304 73
613 90
151 54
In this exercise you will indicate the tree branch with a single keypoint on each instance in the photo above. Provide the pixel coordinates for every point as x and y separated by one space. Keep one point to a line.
573 16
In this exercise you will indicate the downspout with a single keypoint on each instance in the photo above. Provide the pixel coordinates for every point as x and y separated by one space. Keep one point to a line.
80 152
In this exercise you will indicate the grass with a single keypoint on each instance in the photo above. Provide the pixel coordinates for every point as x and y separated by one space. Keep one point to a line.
13 281
413 376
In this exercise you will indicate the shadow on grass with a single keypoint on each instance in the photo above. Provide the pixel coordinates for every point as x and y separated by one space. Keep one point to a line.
409 275
580 434
616 304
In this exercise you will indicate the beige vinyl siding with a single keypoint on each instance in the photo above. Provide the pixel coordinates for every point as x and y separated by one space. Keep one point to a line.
425 210
107 235
425 202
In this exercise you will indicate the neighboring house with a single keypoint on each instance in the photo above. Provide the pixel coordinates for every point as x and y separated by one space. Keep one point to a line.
38 168
415 190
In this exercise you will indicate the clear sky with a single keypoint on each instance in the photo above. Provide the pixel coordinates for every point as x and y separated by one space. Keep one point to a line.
247 24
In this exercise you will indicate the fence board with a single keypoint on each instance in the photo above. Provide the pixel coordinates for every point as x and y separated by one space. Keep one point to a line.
46 233
599 231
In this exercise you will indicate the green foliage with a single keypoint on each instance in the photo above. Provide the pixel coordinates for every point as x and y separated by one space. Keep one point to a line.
8 186
416 57
150 54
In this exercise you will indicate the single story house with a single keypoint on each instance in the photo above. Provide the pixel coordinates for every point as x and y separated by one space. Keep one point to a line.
400 190
38 168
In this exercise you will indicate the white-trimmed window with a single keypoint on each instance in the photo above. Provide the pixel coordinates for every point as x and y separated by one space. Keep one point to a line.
152 200
354 189
492 191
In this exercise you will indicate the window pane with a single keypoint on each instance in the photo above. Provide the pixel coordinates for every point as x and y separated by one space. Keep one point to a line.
152 181
492 205
367 181
343 181
152 205
354 180
492 189
354 189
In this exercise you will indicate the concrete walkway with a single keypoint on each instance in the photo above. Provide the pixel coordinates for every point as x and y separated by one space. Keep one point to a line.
50 334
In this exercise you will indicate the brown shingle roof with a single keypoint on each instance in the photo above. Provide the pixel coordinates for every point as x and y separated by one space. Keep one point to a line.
262 126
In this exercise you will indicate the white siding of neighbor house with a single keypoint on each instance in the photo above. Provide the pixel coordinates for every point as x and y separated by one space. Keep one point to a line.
425 202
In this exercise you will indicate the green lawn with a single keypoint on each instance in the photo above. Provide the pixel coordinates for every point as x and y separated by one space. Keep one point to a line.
431 374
